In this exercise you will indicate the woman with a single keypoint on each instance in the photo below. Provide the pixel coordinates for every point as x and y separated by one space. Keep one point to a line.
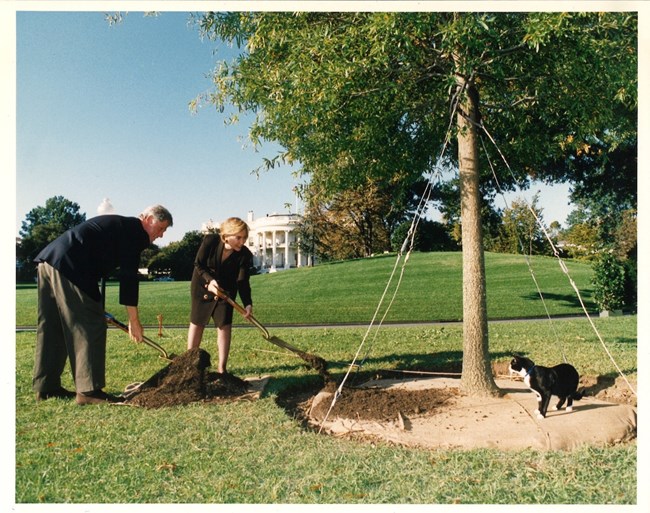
222 262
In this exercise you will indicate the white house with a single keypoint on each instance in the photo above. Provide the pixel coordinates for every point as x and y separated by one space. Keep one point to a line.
274 242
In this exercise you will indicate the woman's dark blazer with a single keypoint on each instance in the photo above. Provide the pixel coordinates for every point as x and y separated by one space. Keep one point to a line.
232 276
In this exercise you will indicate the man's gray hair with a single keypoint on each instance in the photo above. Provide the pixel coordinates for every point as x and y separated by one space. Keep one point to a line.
159 212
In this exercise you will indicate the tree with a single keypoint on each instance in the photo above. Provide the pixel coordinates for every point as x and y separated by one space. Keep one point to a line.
580 238
356 222
177 258
604 182
520 230
429 236
626 236
41 226
609 282
358 96
352 224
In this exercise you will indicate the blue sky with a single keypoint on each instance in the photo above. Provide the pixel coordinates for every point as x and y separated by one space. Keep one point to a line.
102 112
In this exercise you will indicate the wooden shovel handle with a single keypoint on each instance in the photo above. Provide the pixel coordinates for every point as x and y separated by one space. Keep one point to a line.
112 320
221 294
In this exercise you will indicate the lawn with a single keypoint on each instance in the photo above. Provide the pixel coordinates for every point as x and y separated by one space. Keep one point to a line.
349 292
256 452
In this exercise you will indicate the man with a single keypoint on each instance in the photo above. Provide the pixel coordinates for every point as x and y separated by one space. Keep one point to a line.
71 322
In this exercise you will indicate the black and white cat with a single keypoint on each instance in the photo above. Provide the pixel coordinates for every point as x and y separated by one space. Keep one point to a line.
561 381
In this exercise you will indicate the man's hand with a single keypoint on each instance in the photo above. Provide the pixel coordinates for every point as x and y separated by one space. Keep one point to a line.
136 332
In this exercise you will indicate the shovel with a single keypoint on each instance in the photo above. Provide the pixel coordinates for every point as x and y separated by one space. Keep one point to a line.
314 361
265 333
163 354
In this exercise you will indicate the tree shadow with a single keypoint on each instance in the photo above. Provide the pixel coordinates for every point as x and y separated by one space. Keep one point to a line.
396 365
603 382
569 300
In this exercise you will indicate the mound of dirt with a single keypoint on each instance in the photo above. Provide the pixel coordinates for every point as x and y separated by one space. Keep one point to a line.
186 379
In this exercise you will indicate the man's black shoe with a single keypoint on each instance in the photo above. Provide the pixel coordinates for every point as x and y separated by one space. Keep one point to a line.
95 397
61 393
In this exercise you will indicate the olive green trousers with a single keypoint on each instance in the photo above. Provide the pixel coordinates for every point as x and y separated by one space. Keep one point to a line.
71 326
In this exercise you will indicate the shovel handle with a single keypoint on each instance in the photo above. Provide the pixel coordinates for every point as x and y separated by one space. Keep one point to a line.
265 333
223 295
112 320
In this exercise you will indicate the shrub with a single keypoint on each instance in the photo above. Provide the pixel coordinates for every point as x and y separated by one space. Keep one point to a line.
630 284
609 280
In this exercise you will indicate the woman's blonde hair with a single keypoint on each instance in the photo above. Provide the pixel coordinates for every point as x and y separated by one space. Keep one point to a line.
232 226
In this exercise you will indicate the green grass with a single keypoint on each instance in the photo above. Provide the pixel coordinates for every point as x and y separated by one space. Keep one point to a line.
254 452
431 289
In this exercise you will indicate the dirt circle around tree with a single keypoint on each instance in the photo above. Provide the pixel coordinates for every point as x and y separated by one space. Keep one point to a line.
415 408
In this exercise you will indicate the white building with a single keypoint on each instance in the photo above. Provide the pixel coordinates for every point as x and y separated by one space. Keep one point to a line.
274 242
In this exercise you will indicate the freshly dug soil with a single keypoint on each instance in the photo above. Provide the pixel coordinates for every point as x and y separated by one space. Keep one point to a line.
186 380
384 404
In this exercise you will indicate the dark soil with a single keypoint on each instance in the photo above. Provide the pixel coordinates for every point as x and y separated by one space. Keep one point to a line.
186 380
384 405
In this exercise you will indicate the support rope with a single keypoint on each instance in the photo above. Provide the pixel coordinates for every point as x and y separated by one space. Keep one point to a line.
408 241
562 264
523 251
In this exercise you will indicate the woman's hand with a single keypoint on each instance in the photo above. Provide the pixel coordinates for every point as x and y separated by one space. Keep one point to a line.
213 287
249 311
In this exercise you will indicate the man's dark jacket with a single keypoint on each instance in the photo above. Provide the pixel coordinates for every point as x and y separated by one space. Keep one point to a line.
94 249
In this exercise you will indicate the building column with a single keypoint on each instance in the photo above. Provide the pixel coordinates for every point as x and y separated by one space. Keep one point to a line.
298 253
274 251
262 245
287 263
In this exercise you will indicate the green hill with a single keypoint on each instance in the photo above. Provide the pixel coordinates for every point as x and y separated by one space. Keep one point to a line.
350 292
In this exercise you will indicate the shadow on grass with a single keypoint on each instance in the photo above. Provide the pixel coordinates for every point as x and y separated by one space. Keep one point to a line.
294 390
569 300
443 362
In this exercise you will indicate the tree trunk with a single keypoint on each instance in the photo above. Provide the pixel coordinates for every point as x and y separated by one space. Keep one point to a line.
477 376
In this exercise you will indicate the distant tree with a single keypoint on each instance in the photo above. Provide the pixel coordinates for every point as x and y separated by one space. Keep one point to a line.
177 258
603 174
354 223
626 236
41 226
148 254
554 230
429 236
520 231
609 282
580 238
